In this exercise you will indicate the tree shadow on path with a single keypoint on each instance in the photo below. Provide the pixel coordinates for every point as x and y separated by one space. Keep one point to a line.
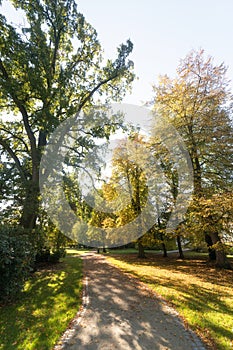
122 314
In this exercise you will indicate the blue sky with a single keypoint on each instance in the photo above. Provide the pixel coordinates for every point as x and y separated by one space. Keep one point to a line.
162 33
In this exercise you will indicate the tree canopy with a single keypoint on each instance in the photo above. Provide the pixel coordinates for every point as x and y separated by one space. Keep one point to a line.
51 68
198 102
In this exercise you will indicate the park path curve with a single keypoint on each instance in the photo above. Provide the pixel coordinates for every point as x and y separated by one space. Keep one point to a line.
120 313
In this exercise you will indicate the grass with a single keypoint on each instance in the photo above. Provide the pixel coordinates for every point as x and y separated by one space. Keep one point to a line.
202 294
122 251
130 251
50 300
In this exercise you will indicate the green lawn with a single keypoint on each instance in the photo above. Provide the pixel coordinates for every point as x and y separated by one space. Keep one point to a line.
52 297
50 300
202 294
130 251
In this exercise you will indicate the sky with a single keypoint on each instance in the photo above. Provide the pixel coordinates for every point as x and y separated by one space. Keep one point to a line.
162 31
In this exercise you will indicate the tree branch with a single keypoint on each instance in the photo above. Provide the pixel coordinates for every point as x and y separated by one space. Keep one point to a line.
15 158
91 93
15 137
23 112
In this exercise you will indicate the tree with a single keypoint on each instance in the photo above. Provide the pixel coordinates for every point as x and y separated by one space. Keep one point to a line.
198 103
50 70
129 174
138 201
168 191
210 216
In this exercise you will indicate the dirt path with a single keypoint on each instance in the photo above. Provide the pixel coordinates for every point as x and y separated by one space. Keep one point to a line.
120 314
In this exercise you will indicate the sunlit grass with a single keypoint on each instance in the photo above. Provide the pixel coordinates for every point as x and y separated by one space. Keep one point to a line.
74 251
202 295
50 300
130 251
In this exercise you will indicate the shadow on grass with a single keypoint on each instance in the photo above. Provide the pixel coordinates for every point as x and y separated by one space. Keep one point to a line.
196 265
123 314
202 294
50 300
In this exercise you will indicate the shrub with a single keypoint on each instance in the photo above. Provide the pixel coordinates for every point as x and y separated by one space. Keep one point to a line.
57 255
44 255
16 260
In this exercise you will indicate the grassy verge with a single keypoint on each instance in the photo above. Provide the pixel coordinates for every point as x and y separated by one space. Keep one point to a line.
202 295
50 300
129 251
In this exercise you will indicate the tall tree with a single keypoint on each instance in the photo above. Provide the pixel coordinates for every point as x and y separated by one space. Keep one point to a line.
199 104
50 69
129 173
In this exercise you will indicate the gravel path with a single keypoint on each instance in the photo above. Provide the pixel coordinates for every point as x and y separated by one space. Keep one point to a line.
121 313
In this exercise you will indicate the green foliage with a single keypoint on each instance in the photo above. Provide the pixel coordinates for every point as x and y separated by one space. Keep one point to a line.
198 103
213 214
49 243
48 256
57 255
16 260
51 68
50 300
125 192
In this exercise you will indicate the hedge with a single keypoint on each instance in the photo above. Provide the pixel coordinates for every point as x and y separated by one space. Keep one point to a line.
17 257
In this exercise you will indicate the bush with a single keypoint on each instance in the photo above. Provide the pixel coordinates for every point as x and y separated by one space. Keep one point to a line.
44 255
50 244
57 255
16 260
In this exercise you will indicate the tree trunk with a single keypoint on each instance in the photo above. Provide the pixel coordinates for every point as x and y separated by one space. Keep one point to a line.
164 250
31 203
161 235
103 239
212 252
141 252
221 258
181 254
31 206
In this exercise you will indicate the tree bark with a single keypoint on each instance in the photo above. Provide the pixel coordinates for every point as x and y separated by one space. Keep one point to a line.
31 206
31 203
161 235
212 252
164 250
141 252
181 254
221 258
